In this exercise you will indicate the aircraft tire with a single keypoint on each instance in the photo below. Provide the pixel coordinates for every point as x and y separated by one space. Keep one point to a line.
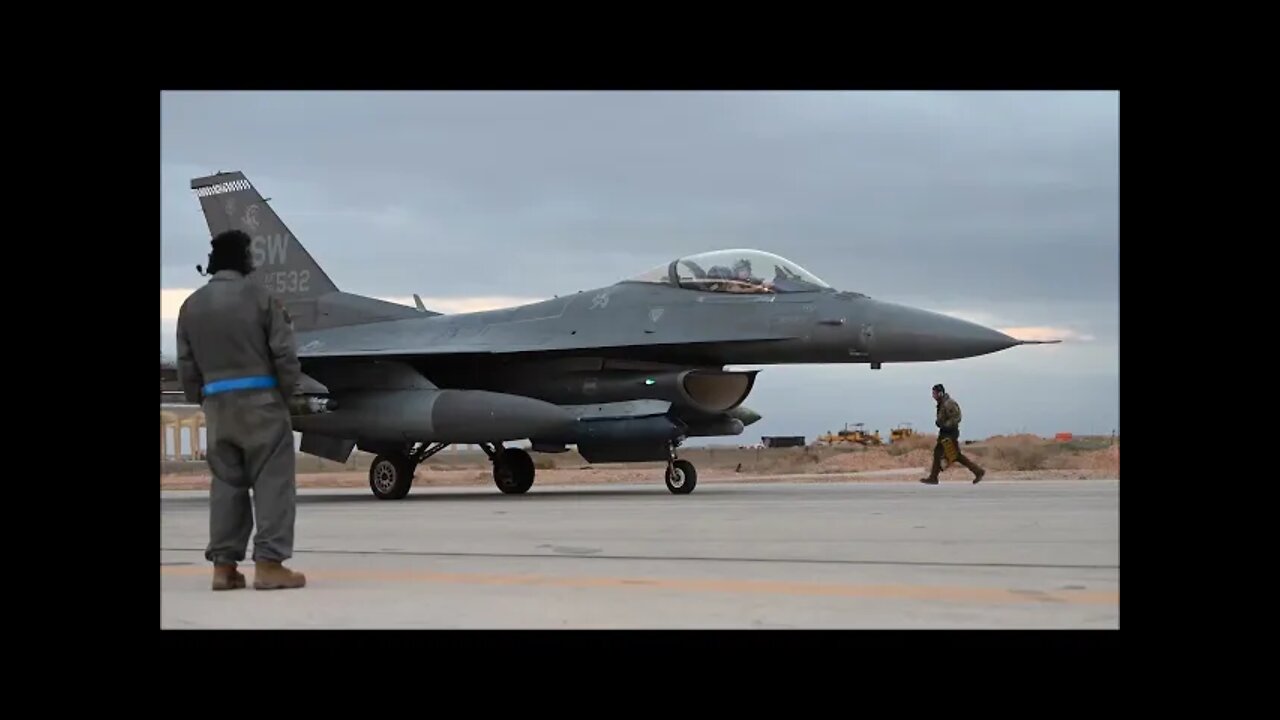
513 474
685 480
391 476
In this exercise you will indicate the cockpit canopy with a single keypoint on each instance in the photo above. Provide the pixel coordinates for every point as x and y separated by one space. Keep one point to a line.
735 271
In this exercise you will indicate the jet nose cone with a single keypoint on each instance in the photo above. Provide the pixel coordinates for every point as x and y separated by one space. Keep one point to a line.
969 339
907 334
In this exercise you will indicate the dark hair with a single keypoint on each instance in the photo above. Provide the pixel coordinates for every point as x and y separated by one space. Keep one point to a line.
231 252
939 388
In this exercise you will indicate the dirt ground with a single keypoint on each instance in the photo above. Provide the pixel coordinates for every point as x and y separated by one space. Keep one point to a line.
1020 457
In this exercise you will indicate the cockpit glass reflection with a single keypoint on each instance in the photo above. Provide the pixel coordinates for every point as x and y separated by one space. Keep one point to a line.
735 271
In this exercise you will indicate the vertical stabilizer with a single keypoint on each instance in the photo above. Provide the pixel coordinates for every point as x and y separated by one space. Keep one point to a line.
230 202
283 266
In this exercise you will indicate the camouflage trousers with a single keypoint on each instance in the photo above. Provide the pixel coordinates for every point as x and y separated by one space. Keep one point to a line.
940 452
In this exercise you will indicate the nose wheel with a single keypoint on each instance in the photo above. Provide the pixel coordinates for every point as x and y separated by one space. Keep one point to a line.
682 477
513 469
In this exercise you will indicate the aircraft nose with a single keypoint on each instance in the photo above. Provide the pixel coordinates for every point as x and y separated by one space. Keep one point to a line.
906 334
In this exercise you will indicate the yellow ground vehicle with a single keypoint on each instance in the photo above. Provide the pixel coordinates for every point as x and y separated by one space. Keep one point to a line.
857 436
902 432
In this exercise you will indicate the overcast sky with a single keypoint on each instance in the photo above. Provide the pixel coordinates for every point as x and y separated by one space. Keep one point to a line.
1001 208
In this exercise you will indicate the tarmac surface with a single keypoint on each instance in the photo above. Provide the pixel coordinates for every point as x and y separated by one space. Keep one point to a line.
1001 554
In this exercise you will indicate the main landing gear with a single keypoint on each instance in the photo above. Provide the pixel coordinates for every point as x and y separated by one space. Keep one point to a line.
391 474
682 477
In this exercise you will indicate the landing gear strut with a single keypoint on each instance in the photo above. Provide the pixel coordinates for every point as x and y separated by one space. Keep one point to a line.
513 469
682 477
391 474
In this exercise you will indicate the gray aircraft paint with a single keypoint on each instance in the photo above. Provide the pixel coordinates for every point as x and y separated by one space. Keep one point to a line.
405 374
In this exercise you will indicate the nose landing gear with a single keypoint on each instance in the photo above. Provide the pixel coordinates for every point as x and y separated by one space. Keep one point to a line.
682 476
513 469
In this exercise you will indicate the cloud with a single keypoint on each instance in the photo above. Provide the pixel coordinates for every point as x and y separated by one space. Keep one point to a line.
1045 333
977 196
973 316
171 300
1001 206
1020 332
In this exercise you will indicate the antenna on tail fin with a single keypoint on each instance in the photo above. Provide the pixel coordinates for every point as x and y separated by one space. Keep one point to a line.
230 202
283 266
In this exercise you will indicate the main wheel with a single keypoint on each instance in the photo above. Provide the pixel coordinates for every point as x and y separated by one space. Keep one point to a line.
391 476
513 472
682 477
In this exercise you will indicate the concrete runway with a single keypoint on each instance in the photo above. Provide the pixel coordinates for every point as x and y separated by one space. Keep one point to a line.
1015 554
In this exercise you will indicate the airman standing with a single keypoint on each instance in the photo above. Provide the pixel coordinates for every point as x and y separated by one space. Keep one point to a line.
238 359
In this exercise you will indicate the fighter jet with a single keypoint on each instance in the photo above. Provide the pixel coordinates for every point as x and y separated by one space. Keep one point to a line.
624 372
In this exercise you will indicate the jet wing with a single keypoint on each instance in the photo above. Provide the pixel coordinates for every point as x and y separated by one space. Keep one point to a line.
319 349
316 350
497 339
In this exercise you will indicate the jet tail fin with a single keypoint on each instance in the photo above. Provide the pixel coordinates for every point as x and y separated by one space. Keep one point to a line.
230 202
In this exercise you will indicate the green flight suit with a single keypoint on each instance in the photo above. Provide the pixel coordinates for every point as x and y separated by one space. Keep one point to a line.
237 357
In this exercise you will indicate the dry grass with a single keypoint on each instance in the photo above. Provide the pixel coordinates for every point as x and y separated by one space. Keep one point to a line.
1022 457
915 442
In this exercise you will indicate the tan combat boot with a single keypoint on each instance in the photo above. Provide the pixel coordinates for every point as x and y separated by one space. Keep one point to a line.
271 575
226 577
977 471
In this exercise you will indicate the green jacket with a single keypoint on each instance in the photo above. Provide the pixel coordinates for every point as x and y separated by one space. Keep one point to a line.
948 415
